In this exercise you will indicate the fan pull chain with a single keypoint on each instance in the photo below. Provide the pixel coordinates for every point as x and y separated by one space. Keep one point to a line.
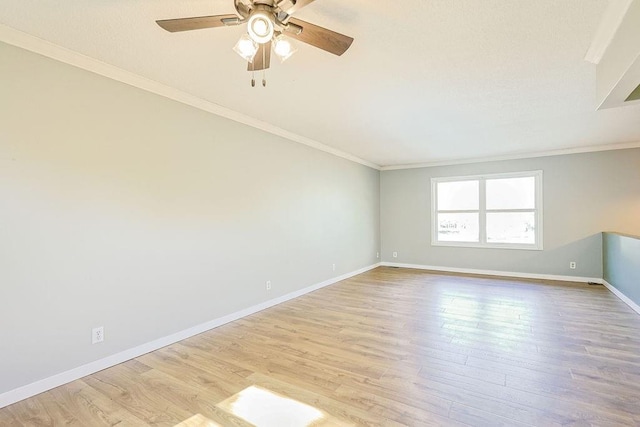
264 72
253 74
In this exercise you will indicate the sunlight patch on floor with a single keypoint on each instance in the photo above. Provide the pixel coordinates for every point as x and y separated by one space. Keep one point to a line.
264 408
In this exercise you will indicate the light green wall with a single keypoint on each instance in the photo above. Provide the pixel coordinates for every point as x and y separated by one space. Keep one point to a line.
584 194
621 259
125 209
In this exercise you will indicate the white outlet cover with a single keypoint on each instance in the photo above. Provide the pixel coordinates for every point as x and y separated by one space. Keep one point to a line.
395 254
97 335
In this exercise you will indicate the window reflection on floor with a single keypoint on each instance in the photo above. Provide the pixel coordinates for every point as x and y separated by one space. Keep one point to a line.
265 408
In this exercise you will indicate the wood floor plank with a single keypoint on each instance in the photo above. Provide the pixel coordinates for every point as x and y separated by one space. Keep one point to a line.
479 418
580 393
389 347
90 407
194 398
131 393
428 414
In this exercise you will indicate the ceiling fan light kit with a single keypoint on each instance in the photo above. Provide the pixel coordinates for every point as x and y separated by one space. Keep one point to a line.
266 21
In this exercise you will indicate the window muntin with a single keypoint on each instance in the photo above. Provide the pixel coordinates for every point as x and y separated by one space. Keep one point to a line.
497 211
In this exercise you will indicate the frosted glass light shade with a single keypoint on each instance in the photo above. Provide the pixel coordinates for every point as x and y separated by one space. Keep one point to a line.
283 48
246 48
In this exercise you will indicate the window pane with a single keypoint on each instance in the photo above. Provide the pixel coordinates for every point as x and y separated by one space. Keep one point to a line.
458 227
511 193
511 227
458 196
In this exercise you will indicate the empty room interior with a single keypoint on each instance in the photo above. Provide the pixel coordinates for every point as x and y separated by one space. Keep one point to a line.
319 213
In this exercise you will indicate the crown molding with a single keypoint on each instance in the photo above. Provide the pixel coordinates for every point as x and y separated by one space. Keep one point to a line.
609 25
562 152
43 47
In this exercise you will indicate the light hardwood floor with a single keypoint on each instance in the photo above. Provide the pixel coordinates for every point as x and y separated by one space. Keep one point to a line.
388 347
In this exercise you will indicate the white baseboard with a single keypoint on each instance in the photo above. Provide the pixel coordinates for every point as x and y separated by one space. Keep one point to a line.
635 307
57 380
495 273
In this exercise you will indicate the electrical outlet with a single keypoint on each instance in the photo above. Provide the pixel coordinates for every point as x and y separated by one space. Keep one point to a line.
334 267
395 254
268 285
377 254
97 335
572 265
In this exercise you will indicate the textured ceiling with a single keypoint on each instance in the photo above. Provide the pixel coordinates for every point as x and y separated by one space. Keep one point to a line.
424 81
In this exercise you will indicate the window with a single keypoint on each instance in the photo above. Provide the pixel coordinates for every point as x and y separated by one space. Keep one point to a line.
489 211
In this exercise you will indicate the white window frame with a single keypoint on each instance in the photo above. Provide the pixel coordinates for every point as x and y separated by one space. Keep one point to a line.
482 211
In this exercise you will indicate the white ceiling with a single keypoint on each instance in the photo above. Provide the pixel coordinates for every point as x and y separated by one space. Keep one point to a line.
425 80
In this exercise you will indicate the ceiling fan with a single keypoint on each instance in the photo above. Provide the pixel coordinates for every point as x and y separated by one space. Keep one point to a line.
267 23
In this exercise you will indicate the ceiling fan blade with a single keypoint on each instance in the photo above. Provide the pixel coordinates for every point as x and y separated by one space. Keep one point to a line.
262 60
293 5
196 23
321 38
